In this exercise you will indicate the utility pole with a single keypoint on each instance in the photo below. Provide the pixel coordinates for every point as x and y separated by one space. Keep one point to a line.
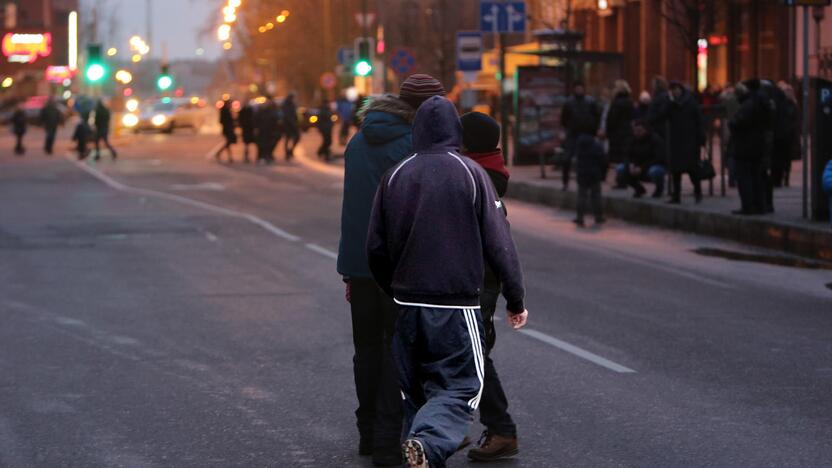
805 139
504 120
149 24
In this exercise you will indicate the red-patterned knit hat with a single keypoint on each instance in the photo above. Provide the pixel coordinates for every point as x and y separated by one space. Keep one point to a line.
418 88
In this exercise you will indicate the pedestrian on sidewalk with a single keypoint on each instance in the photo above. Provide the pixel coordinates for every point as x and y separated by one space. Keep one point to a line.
82 135
581 116
229 131
102 130
687 136
619 121
50 118
382 141
19 129
786 135
345 111
325 125
291 126
591 165
644 160
749 128
245 119
480 141
827 185
436 220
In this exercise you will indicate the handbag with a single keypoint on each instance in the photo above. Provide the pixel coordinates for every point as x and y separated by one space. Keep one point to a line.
706 170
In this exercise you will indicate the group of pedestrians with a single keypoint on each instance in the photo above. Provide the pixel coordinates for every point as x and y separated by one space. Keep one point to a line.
263 125
50 118
425 251
663 134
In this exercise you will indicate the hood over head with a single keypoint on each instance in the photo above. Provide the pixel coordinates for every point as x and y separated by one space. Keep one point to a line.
437 126
385 118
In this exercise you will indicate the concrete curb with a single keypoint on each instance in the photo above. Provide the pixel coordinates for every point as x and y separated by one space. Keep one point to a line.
792 238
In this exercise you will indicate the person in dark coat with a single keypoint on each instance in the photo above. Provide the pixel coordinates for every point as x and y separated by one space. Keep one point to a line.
82 135
291 126
383 140
50 118
749 128
245 119
644 160
826 185
19 129
436 221
480 142
228 131
581 115
687 136
102 130
619 121
591 166
325 125
267 123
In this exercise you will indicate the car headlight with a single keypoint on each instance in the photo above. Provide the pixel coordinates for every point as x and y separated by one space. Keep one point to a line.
130 120
313 119
158 120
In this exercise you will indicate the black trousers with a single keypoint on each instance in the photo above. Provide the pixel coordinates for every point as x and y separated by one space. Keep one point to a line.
751 185
494 404
49 143
379 413
590 194
18 147
676 189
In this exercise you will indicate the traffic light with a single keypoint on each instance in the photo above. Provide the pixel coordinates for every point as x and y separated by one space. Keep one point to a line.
165 80
96 70
364 48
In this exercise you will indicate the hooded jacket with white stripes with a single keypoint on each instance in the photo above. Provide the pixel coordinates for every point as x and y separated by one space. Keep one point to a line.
436 219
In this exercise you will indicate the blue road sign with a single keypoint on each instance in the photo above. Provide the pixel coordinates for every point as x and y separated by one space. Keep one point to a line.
502 16
469 51
402 61
346 56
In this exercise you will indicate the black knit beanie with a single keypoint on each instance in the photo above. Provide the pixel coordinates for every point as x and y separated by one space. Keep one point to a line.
480 133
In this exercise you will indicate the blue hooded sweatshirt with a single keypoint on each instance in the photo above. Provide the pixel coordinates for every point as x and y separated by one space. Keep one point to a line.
382 142
436 220
827 179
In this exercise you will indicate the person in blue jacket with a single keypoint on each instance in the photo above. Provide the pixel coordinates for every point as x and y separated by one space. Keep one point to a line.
827 185
382 141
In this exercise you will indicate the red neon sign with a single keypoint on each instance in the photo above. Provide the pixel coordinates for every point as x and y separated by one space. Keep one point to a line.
25 47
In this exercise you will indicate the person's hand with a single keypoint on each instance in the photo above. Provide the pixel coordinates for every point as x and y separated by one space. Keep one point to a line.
518 320
348 291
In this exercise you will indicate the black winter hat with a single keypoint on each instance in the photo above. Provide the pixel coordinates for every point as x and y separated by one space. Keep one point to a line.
480 133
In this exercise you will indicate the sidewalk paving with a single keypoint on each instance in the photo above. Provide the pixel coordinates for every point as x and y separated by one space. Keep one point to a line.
784 230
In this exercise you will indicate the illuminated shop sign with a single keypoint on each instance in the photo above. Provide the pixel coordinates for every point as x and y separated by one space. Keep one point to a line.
58 73
25 47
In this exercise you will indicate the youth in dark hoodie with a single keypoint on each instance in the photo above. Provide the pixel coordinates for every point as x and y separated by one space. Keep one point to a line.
436 220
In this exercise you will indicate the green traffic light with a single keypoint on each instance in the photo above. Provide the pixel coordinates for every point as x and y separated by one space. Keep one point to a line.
363 68
95 72
164 82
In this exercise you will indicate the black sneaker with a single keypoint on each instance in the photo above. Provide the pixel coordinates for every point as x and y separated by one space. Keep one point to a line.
414 454
579 222
387 457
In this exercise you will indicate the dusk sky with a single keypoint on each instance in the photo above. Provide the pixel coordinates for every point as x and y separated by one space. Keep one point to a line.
177 23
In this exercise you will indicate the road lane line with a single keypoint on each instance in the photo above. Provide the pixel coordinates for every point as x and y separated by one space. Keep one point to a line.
572 349
112 183
325 252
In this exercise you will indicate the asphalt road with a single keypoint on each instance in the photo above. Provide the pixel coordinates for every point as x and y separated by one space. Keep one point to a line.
169 311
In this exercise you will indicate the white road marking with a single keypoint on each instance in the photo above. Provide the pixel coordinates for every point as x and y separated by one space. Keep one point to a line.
211 237
572 349
112 183
208 186
325 252
560 344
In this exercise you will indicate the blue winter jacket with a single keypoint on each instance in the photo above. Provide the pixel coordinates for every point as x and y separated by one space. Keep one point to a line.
827 179
437 220
382 142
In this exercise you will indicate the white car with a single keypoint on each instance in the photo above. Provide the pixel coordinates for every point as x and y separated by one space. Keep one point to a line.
167 115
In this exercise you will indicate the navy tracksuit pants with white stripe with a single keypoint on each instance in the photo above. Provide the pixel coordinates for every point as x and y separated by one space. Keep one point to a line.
439 358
